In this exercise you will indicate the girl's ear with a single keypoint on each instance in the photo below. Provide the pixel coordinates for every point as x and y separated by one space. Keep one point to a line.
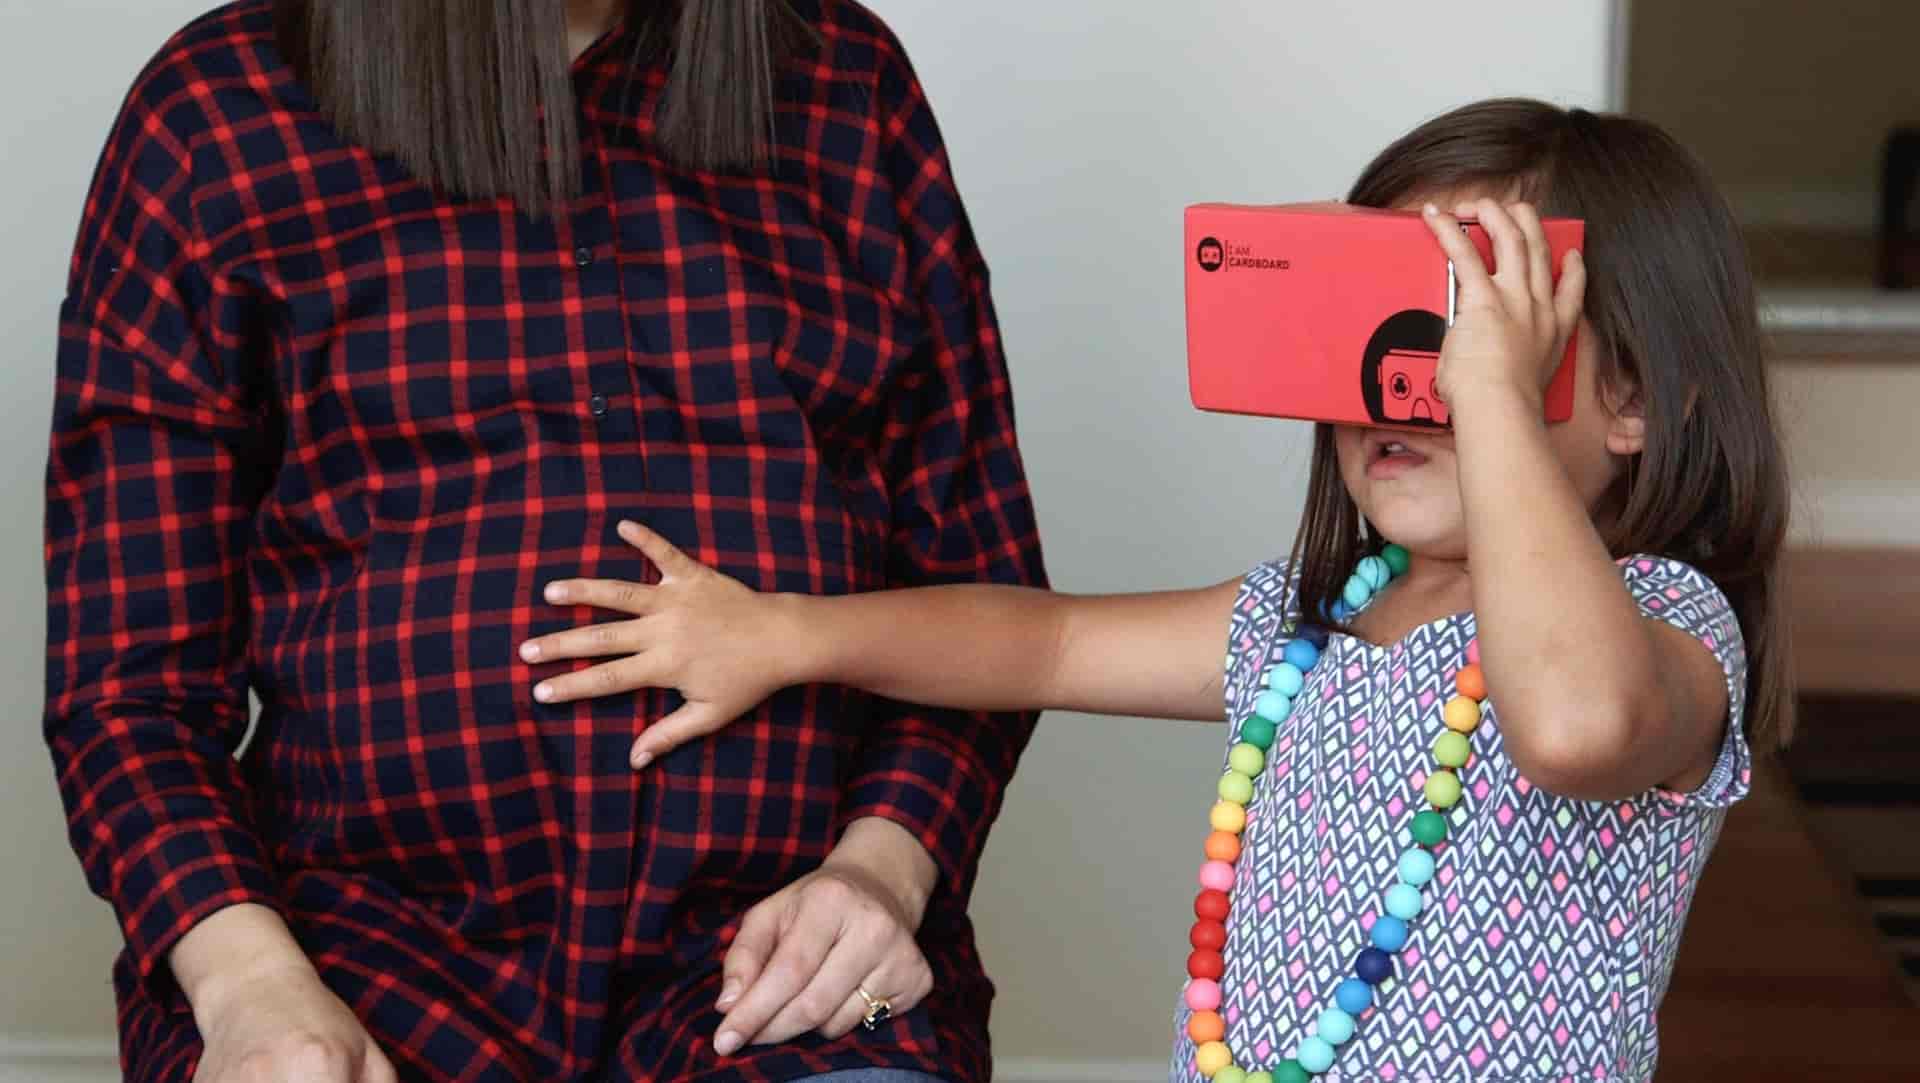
1627 431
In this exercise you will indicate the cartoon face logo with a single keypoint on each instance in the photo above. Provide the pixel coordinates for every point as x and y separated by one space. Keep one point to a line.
1408 390
1211 254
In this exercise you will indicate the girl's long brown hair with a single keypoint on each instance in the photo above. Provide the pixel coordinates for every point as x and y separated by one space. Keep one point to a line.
1671 301
475 97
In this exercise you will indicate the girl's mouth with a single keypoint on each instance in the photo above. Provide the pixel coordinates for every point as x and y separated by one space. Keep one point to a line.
1389 456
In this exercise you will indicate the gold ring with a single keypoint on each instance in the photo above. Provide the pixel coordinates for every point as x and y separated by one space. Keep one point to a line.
879 1010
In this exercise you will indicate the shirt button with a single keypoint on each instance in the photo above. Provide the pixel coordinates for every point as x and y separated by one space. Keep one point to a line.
583 256
598 404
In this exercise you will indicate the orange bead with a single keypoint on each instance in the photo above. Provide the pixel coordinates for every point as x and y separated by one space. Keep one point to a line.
1472 683
1222 846
1206 1027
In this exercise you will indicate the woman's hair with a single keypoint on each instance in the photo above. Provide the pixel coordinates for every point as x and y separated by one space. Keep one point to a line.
475 97
1670 299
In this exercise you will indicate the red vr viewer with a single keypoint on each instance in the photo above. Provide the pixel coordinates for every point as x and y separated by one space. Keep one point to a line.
1330 312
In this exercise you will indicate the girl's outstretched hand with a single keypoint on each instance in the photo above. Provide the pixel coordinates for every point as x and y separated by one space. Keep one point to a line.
698 631
1510 327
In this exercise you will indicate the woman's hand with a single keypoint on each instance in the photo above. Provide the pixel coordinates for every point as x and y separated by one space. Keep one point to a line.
710 637
264 1014
803 955
1510 327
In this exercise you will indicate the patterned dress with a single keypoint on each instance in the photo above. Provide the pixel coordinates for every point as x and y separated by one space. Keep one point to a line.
1552 924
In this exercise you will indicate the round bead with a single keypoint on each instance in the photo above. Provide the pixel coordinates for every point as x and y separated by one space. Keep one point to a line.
1429 829
1443 789
1340 612
1450 749
1211 905
1286 679
1259 1077
1258 732
1336 1026
1389 933
1203 995
1229 817
1462 715
1299 653
1206 964
1291 1072
1211 1057
1208 936
1374 571
1247 759
1473 651
1356 592
1238 788
1354 996
1404 901
1471 682
1315 1055
1373 966
1223 846
1273 706
1216 876
1313 634
1416 867
1396 558
1230 1074
1204 1027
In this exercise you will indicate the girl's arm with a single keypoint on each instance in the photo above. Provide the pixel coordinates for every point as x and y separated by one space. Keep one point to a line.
1596 700
974 646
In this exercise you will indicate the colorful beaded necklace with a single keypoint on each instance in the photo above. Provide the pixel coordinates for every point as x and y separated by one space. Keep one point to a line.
1402 902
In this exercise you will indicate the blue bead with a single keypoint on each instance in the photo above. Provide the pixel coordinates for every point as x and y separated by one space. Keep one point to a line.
1315 1055
1416 866
1404 901
1357 592
1354 996
1286 679
1300 654
1375 571
1273 706
1373 966
1336 1026
1312 633
1340 612
1389 933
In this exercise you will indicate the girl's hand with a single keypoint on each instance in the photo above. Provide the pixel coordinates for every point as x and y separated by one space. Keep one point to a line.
708 636
1510 327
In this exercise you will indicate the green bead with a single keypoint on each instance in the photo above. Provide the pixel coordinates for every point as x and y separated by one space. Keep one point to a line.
1230 1074
1429 829
1247 759
1443 789
1257 732
1396 558
1291 1072
1236 787
1451 749
1260 1077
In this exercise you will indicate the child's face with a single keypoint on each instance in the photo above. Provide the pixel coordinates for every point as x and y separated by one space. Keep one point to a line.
1407 484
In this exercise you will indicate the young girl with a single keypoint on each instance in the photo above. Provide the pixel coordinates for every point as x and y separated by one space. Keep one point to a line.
1485 721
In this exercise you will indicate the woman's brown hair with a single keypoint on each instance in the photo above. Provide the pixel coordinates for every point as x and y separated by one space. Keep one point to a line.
1671 302
475 97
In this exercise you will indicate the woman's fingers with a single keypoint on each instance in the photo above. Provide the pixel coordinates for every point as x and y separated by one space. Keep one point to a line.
1469 270
673 564
605 679
803 940
637 599
692 720
593 641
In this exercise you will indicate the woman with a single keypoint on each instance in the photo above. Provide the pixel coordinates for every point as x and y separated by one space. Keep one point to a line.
381 316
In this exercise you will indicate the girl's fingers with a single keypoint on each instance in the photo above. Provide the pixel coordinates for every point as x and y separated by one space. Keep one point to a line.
1509 248
593 641
618 594
673 564
691 721
606 679
1469 270
1539 253
1570 296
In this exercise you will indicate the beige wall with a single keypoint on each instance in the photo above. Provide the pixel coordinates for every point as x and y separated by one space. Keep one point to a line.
1788 101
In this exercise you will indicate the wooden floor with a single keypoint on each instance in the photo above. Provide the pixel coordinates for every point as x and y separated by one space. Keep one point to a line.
1782 975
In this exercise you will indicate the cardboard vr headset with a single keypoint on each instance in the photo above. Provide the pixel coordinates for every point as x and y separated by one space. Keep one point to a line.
1329 312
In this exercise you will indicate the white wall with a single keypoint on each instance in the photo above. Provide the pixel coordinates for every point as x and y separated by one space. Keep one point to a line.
1078 132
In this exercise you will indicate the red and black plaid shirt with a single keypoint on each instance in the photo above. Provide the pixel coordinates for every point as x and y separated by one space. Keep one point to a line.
323 435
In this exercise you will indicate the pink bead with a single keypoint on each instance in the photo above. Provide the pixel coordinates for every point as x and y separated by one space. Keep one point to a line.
1203 995
1473 650
1216 876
